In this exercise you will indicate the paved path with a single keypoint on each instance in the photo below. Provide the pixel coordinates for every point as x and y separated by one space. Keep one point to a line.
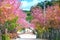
28 39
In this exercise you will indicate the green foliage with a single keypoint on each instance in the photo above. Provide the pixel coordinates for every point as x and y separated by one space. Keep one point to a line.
41 5
29 16
47 3
56 2
5 37
10 25
28 13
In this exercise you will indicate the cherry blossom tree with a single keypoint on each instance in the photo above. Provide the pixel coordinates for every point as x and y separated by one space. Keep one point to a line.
11 16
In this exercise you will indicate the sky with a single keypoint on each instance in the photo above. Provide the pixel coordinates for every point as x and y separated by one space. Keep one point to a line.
27 4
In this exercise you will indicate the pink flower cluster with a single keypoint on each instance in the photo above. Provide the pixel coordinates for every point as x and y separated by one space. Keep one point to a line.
37 13
51 18
12 7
